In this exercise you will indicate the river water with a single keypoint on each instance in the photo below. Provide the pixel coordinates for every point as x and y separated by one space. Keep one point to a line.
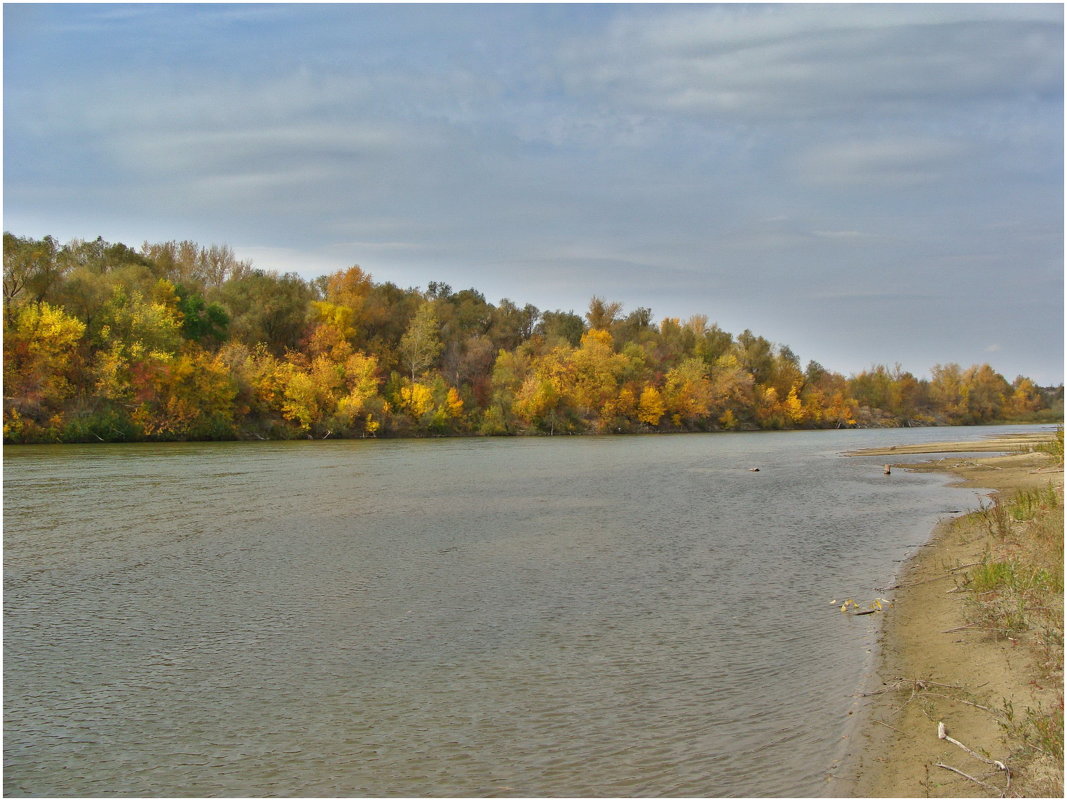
589 616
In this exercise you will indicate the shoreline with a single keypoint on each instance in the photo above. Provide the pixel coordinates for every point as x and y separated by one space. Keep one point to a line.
928 668
253 437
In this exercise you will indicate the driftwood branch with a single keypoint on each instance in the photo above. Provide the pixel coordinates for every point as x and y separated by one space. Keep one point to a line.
996 790
894 728
943 735
969 703
923 683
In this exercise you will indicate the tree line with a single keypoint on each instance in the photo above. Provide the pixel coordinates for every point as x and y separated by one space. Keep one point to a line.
175 341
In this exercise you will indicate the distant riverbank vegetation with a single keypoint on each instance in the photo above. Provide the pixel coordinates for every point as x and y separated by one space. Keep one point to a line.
174 341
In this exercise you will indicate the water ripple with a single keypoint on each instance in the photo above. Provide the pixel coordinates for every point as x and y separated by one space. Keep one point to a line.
597 617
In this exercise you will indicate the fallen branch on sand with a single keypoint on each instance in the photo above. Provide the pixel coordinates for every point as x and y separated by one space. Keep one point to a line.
943 735
894 728
962 701
996 790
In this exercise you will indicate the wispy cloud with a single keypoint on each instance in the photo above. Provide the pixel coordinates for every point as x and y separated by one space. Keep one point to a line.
893 162
789 61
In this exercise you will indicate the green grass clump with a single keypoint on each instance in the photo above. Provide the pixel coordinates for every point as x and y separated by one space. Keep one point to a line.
1053 448
1039 729
1013 577
1026 504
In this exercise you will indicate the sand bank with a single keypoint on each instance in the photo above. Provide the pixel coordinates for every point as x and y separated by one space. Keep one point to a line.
933 668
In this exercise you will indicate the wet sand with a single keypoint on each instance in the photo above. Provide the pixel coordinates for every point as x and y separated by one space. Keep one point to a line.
930 668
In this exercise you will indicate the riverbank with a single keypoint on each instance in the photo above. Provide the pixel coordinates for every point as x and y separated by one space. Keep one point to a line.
948 657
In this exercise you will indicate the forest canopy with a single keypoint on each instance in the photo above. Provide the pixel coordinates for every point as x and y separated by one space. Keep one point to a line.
175 341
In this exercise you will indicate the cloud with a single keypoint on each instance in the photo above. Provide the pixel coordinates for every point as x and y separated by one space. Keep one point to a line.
782 62
253 148
889 162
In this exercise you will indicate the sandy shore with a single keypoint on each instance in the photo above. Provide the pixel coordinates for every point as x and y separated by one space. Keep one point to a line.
930 668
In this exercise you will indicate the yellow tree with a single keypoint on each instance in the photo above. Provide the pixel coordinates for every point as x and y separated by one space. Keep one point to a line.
1025 398
770 412
155 321
447 411
986 392
311 392
332 330
687 392
596 371
627 402
545 398
948 392
731 391
325 397
794 408
537 402
41 362
651 408
361 401
189 395
260 379
841 410
416 400
336 320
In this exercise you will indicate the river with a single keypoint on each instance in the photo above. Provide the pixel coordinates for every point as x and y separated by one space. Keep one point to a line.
587 616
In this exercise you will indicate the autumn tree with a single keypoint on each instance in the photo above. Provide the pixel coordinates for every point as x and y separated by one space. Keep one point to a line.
732 389
545 399
595 378
651 407
178 341
948 392
421 344
510 370
602 314
986 392
1025 398
687 393
41 365
188 395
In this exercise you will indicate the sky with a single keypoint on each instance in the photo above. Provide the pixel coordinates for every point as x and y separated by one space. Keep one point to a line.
867 184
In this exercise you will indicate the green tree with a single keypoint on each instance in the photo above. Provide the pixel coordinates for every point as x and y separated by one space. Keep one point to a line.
510 326
202 322
267 307
31 269
560 326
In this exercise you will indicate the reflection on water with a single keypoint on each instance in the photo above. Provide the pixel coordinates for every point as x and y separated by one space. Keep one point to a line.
579 617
